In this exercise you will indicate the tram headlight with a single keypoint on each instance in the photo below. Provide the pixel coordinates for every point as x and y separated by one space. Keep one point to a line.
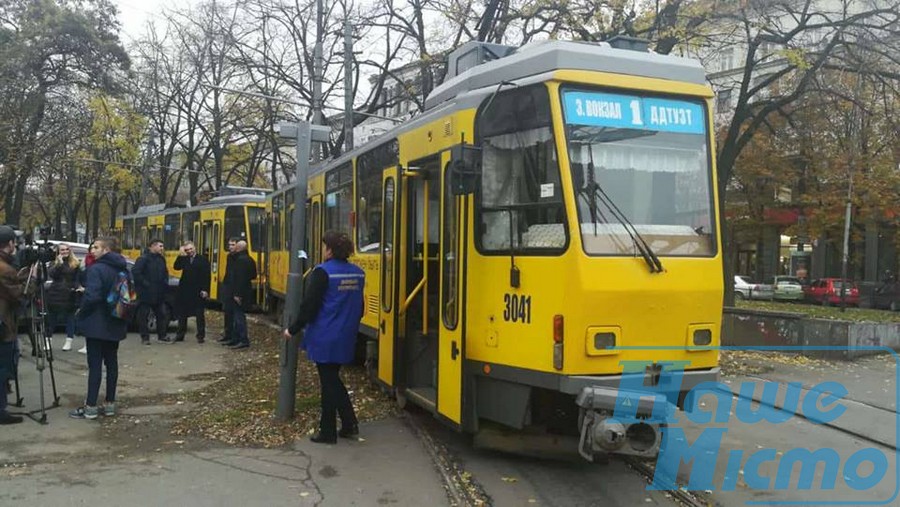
702 337
604 341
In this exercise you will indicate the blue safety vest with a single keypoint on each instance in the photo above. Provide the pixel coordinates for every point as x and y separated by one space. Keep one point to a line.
331 336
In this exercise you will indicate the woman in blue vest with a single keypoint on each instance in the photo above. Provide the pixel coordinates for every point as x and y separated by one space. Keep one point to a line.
331 310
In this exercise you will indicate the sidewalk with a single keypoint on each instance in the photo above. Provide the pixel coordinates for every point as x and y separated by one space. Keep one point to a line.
133 459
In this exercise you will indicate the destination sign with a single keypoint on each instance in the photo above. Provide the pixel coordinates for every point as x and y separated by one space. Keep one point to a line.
631 112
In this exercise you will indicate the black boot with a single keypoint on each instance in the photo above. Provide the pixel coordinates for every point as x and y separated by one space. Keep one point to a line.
319 438
349 431
7 418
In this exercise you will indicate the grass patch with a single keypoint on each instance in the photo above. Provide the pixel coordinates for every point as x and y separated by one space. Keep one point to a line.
823 312
238 407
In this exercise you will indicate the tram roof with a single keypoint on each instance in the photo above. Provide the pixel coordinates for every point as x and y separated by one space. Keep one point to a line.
547 56
212 203
531 63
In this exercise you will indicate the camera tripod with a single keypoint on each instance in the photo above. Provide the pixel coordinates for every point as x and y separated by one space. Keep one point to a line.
40 334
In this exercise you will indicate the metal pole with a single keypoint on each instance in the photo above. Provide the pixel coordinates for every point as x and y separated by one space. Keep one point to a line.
856 129
287 384
348 86
318 65
145 176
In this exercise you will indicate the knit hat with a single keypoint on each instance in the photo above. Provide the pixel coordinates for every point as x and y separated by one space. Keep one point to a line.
7 234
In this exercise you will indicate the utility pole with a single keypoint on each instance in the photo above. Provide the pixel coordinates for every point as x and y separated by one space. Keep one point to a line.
305 134
145 171
348 86
855 137
318 64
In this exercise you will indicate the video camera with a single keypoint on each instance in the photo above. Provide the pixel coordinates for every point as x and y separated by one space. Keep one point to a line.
31 252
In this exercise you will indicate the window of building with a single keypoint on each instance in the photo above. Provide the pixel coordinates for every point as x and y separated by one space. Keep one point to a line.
369 169
723 100
339 199
520 202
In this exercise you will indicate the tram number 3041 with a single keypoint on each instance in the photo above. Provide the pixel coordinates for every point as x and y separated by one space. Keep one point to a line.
517 308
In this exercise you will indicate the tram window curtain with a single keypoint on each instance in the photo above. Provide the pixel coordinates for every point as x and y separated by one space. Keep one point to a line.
520 199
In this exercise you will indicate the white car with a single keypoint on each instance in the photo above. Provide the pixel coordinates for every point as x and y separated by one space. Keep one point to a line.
745 289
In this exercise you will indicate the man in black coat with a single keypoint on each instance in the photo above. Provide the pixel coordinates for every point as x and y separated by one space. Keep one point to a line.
242 272
151 280
193 290
225 295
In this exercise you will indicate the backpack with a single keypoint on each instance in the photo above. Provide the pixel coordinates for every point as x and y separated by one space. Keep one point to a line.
122 299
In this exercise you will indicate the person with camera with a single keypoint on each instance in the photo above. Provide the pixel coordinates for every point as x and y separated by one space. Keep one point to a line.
151 280
63 273
193 290
102 330
11 293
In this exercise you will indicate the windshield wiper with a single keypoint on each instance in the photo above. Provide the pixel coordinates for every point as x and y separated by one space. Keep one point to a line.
596 193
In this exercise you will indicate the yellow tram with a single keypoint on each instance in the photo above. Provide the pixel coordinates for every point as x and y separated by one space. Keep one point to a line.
551 212
208 225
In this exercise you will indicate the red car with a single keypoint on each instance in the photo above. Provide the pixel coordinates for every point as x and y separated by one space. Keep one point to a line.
827 292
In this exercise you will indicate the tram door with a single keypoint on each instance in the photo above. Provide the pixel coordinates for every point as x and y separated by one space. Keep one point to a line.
419 301
211 238
450 352
390 241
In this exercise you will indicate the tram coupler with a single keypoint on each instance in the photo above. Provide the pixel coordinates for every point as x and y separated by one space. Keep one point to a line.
633 431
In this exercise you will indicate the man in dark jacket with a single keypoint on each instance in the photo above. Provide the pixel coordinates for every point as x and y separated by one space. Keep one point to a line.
243 272
102 330
225 295
151 279
11 292
193 290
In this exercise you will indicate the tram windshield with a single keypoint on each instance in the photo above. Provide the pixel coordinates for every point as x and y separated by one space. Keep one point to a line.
643 161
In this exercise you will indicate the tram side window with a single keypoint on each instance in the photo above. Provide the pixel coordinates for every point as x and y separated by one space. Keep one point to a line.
234 224
187 226
521 196
128 225
140 233
450 254
275 236
255 216
339 199
172 231
369 168
288 219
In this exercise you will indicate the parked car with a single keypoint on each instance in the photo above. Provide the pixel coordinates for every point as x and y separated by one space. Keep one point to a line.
788 288
746 289
827 292
887 296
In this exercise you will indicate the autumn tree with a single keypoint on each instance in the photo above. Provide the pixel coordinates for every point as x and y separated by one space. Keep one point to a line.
49 48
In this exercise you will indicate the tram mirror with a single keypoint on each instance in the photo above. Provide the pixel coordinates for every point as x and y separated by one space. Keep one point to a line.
465 169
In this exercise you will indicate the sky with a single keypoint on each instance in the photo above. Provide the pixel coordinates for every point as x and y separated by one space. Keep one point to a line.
134 14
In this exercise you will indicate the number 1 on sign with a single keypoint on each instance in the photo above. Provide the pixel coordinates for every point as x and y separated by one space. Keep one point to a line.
636 113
